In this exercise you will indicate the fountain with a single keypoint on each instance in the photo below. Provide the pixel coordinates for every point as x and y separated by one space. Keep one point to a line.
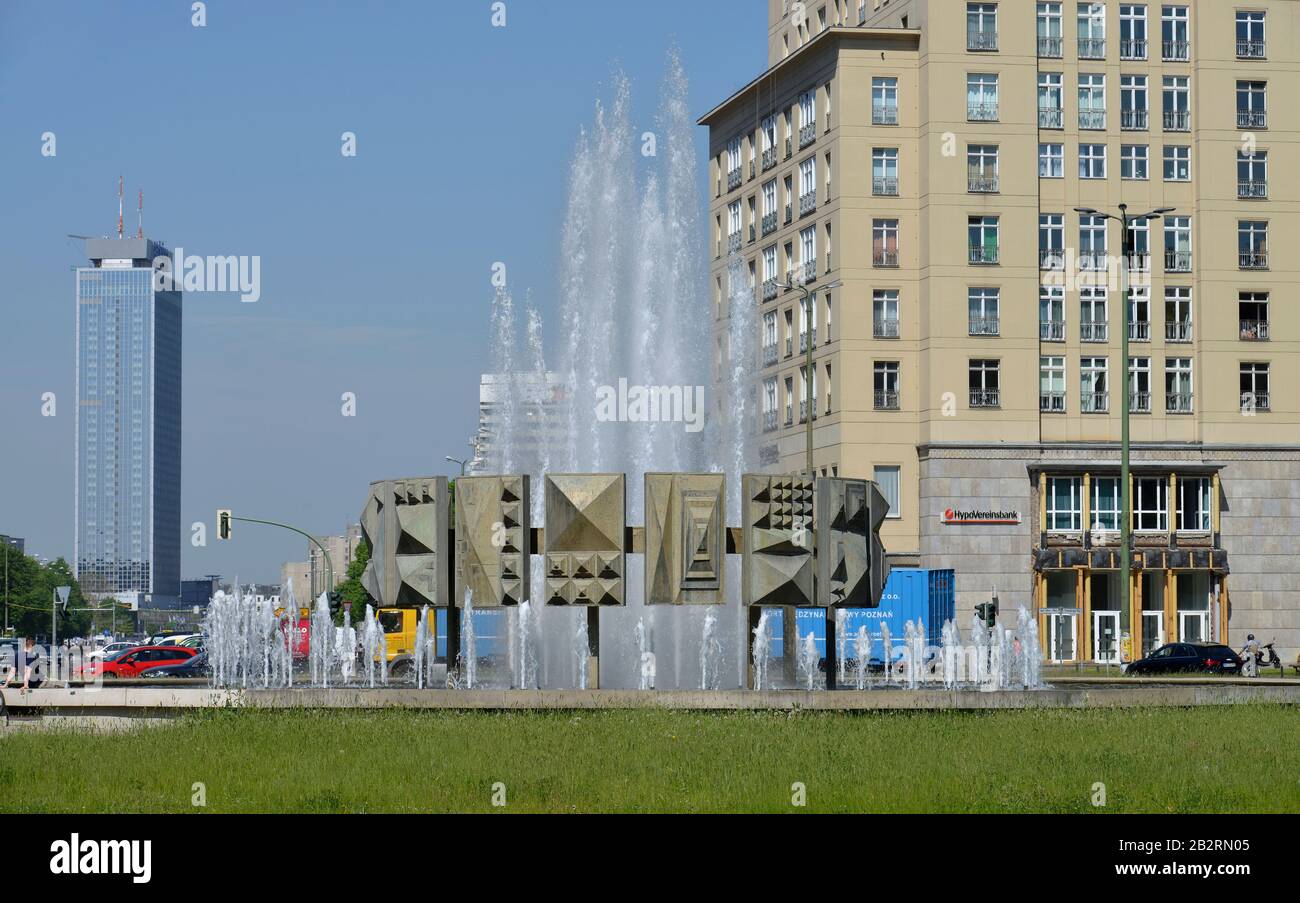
526 665
762 653
645 655
710 651
426 649
862 651
468 646
887 652
374 646
808 659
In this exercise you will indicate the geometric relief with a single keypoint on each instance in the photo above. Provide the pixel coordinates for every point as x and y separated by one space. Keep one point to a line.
843 544
777 530
585 516
685 538
493 539
405 524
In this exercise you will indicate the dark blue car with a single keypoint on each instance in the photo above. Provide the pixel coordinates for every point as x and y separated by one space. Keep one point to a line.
1172 658
193 667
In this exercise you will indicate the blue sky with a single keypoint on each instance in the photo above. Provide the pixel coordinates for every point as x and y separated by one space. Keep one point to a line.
375 269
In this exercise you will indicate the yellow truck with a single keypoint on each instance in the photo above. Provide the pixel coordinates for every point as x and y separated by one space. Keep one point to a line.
399 626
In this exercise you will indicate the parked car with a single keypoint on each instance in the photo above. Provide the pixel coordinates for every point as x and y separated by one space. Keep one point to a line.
1206 658
130 662
193 641
197 666
110 650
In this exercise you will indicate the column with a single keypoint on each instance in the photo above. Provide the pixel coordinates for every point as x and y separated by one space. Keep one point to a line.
1081 595
1087 503
1135 618
1171 606
1040 593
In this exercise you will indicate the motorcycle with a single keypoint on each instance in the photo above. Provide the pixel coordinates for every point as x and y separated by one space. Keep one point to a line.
1265 657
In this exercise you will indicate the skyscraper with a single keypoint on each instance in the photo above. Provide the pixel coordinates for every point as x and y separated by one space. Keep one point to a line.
128 440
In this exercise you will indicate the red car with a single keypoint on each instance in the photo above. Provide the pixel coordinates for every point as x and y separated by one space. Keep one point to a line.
130 662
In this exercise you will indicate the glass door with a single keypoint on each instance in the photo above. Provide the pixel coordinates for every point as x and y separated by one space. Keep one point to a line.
1193 626
1153 631
1060 636
1105 637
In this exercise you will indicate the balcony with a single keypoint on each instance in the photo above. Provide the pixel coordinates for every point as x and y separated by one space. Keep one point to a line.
769 289
810 270
807 203
1093 261
1178 331
1051 118
1133 120
734 242
1178 261
884 258
985 398
789 147
1051 402
753 234
1092 119
1175 51
1252 189
789 416
1133 49
789 346
1051 258
982 182
1178 121
1092 48
983 39
982 112
885 186
789 214
1252 260
770 357
1254 401
791 277
886 401
1094 402
752 172
1139 262
1178 402
769 421
1254 330
983 326
983 255
803 410
734 179
885 328
1139 330
1051 330
1252 119
1091 331
807 135
884 114
1139 403
803 342
769 223
769 158
1250 50
1049 48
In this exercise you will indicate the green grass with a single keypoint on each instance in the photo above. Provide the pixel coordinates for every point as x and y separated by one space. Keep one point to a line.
1220 759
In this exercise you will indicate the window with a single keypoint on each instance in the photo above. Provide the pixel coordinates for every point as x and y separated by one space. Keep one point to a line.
769 403
1194 504
884 101
1178 244
733 226
1094 393
1178 385
1178 314
1139 240
1177 103
884 313
1106 504
982 310
982 235
1051 241
1252 308
982 167
1092 161
768 131
1133 161
1132 31
884 242
1049 101
981 26
1178 163
984 388
1092 242
1094 317
887 480
1252 245
1173 33
733 164
1049 30
886 385
981 97
1252 174
1092 30
807 186
1092 101
769 207
1133 102
1064 504
1051 313
1051 390
1051 161
1252 106
807 117
1254 387
1151 504
884 171
1250 35
808 252
1139 385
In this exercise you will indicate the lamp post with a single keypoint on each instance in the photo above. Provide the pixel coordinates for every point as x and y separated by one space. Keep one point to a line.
458 461
809 373
1126 511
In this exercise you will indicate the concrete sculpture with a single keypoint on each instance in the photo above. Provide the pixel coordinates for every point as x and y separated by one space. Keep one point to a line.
405 523
685 538
493 539
777 540
850 559
585 518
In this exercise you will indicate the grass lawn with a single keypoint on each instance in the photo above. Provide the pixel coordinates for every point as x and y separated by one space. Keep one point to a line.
1211 759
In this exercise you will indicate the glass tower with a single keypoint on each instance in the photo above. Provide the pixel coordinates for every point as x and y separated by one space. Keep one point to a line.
128 440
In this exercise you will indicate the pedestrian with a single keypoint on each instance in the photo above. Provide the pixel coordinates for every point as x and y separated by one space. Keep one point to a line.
31 665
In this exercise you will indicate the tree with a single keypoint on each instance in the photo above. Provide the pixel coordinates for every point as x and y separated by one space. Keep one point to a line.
31 595
354 594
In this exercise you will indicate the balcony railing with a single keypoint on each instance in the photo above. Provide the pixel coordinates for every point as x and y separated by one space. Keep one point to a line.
1252 119
1133 119
983 254
769 158
789 416
770 356
885 186
1252 260
1139 403
734 242
1049 48
807 203
982 112
1133 49
1092 48
1139 262
886 401
1254 401
803 342
1051 402
1178 402
789 214
1252 189
1093 260
733 179
884 258
1094 402
884 114
1139 330
769 421
1250 50
1091 331
1254 330
789 147
807 135
1051 330
1050 118
789 346
981 39
1178 261
769 223
769 289
885 328
1051 258
983 326
1092 119
791 277
1177 51
1178 120
753 234
1178 331
985 398
981 182
810 270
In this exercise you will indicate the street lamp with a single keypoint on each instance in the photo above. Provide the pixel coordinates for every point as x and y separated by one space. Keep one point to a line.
809 373
1126 513
460 462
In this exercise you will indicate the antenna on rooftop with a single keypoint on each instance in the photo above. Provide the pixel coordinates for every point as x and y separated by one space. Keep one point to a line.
139 231
119 207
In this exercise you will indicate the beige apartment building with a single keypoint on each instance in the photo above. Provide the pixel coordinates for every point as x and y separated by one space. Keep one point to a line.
916 165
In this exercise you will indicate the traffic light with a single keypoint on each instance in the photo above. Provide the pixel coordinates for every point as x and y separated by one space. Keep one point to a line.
988 613
223 523
336 603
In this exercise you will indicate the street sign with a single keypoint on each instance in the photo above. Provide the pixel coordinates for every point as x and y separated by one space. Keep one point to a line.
63 593
223 523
